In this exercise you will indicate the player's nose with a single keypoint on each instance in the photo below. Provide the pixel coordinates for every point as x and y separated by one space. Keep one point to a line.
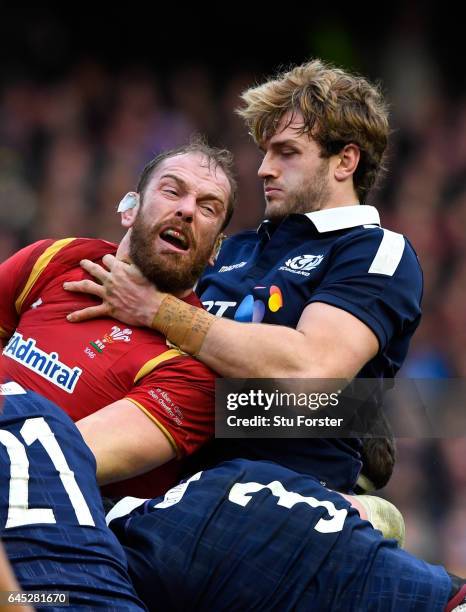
267 168
186 208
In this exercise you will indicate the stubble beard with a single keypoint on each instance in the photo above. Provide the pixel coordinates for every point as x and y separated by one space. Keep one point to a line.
310 197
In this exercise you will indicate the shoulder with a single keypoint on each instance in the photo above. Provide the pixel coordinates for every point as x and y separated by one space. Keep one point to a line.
50 250
381 250
89 248
244 236
185 367
233 243
234 250
154 356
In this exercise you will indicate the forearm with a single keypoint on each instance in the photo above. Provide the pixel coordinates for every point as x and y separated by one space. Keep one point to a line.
248 350
327 344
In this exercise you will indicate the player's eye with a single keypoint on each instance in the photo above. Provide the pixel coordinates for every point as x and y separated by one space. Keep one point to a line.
208 209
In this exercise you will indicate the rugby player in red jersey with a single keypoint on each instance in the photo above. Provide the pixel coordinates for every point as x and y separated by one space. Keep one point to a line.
139 402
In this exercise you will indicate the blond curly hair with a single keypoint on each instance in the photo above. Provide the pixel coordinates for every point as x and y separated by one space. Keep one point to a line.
338 108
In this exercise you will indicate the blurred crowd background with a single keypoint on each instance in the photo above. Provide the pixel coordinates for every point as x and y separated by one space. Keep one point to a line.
84 104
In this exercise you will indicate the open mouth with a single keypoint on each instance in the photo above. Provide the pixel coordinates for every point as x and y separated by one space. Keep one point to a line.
175 238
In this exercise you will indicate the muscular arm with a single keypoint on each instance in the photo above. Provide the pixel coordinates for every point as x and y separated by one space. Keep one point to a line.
327 343
124 441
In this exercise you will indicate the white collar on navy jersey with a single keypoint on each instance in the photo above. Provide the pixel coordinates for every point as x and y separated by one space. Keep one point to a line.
332 219
343 217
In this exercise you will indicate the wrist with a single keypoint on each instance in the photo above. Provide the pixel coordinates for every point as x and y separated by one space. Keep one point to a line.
151 307
184 325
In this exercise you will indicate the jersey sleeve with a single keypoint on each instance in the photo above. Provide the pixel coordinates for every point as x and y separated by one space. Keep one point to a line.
14 274
376 277
179 396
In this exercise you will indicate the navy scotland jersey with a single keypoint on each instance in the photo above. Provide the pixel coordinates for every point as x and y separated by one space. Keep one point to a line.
341 257
252 535
51 514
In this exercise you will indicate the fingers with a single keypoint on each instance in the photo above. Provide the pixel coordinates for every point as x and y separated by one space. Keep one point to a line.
92 312
85 286
108 260
120 267
97 271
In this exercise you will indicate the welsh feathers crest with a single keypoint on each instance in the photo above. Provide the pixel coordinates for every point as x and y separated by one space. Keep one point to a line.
118 334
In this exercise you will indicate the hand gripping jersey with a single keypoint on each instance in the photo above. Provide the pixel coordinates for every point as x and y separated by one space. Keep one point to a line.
52 522
83 367
341 257
252 535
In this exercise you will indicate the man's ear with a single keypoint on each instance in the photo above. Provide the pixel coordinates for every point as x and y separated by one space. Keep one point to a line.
128 207
348 159
216 250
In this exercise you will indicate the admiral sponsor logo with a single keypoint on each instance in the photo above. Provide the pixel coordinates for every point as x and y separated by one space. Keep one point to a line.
44 364
233 266
302 264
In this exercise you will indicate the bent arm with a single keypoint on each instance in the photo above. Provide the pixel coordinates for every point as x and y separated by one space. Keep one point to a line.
124 441
327 343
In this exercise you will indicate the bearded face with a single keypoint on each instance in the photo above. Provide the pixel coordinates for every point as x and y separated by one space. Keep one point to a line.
167 253
182 210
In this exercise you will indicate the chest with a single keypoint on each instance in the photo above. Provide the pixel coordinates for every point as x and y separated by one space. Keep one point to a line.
99 354
272 285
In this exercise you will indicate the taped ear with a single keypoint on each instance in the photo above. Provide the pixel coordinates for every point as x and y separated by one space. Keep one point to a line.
131 200
128 208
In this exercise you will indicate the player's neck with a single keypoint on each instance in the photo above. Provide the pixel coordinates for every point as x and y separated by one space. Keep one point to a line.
342 195
123 248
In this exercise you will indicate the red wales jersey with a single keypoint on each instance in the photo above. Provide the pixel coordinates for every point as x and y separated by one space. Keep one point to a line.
82 367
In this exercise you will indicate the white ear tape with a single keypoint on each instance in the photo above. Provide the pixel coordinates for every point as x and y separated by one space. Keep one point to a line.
131 200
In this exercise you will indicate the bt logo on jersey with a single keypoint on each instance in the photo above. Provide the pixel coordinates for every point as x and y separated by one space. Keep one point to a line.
250 310
222 306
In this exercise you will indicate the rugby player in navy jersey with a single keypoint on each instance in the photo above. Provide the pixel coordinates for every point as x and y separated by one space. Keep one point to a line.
255 536
52 522
326 292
